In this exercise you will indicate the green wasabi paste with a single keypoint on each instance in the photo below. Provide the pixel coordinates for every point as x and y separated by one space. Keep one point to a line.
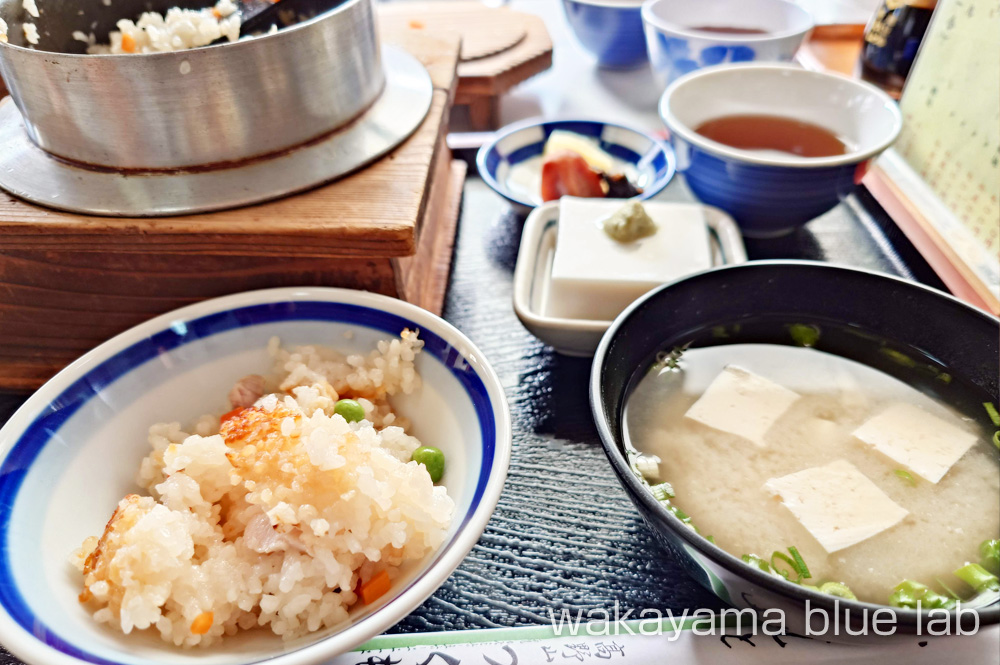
629 223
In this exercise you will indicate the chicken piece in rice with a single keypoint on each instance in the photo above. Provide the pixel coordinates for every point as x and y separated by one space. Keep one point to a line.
273 517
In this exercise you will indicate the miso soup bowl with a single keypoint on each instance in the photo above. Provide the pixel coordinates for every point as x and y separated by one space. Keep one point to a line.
859 315
611 30
772 194
676 49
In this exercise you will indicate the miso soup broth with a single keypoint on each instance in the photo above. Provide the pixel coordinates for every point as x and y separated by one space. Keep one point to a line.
718 478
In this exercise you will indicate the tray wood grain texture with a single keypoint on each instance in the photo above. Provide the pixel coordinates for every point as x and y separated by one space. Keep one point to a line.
69 282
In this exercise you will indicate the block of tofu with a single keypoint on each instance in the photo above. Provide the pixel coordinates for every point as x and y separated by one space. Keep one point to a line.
742 403
596 277
837 504
920 441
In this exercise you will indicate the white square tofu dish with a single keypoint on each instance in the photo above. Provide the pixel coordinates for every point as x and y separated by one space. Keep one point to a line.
579 336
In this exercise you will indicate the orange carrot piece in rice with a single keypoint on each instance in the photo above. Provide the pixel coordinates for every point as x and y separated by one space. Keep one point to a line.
202 623
375 588
231 414
128 43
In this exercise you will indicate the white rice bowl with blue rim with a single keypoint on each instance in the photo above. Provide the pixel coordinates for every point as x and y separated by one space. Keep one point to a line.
71 453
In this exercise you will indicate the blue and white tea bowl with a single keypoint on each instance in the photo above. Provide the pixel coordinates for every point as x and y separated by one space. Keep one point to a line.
72 452
676 49
609 29
770 194
511 164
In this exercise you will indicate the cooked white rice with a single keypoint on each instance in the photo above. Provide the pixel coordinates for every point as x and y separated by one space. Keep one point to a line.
30 7
275 517
3 30
30 33
87 38
180 29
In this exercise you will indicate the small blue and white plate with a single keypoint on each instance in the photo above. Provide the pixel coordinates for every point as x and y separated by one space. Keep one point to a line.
512 163
72 452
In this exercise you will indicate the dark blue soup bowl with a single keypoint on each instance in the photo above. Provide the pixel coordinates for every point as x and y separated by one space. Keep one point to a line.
916 334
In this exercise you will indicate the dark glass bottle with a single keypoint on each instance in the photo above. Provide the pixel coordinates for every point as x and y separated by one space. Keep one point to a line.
892 38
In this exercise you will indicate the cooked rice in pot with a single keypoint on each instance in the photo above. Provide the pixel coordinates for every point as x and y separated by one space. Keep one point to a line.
275 516
180 29
30 33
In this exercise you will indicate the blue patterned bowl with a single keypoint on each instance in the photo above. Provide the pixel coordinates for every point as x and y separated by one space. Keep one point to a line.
770 193
71 452
610 29
675 48
512 163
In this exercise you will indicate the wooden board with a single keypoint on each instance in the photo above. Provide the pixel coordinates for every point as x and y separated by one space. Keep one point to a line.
832 48
482 80
484 31
69 282
56 305
424 276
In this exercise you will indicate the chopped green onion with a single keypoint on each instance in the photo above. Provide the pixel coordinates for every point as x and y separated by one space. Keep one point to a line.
662 491
800 563
990 551
795 563
710 539
781 556
647 465
947 588
993 413
804 334
669 359
898 357
757 562
837 589
679 514
906 476
910 594
978 578
995 418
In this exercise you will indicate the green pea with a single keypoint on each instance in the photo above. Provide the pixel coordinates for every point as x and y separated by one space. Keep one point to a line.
432 459
350 410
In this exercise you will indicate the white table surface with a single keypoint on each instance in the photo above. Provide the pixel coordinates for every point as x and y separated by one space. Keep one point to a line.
575 87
